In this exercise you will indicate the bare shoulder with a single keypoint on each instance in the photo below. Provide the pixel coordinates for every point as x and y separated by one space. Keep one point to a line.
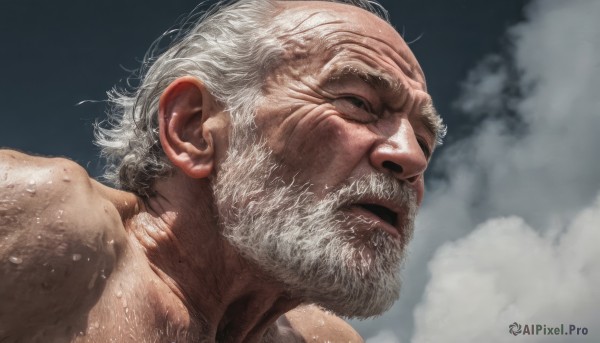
55 193
317 325
59 239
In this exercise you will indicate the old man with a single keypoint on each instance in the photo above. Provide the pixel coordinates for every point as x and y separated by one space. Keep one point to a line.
267 173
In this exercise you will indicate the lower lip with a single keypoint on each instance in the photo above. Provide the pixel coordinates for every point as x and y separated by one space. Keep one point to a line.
378 221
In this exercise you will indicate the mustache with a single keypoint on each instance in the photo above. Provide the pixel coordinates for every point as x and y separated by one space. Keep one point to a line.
374 186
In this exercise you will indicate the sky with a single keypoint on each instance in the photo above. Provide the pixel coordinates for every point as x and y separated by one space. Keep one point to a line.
508 228
510 233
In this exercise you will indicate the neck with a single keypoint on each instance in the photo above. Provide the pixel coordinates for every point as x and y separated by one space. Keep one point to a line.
209 282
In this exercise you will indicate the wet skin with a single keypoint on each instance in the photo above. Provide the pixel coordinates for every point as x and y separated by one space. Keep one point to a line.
347 101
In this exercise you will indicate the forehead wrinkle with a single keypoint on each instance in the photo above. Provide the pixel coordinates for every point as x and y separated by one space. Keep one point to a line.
321 30
357 38
382 68
302 38
296 23
303 28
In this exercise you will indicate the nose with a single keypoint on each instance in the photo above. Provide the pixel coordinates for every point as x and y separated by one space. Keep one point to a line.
401 155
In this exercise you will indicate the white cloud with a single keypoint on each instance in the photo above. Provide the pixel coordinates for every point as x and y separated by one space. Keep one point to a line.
505 272
485 89
533 163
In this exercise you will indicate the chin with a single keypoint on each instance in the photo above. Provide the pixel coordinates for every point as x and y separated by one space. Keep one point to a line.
361 281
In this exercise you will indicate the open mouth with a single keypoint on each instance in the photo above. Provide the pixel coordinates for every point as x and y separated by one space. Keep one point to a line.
384 213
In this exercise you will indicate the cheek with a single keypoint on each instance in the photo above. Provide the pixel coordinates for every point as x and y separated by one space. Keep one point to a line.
325 149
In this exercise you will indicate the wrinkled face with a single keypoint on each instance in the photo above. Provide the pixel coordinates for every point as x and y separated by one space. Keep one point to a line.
349 100
324 198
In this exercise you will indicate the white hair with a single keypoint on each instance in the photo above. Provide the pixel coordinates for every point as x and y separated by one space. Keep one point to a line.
231 48
321 254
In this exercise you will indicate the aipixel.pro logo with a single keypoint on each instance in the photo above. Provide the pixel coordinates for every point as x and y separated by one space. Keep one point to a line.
546 330
514 328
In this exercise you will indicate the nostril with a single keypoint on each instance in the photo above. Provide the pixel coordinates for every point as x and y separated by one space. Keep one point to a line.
412 179
396 168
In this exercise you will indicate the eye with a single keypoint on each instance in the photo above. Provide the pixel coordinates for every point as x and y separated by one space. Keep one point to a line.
355 108
424 147
358 103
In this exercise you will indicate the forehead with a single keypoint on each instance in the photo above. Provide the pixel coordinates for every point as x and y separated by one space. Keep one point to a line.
334 33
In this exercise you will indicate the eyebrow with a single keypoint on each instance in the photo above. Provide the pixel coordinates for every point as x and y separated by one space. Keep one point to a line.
377 80
433 122
383 83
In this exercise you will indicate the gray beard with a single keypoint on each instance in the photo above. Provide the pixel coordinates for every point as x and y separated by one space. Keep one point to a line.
335 259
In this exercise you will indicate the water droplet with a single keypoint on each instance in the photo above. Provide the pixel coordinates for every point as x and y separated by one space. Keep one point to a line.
76 257
124 303
111 242
102 275
38 220
66 178
30 187
365 264
15 259
118 293
93 280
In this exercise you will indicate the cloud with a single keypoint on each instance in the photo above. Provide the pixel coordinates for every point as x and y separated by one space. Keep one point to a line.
505 272
533 162
513 204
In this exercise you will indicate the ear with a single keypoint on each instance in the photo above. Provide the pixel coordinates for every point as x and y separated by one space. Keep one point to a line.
184 108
